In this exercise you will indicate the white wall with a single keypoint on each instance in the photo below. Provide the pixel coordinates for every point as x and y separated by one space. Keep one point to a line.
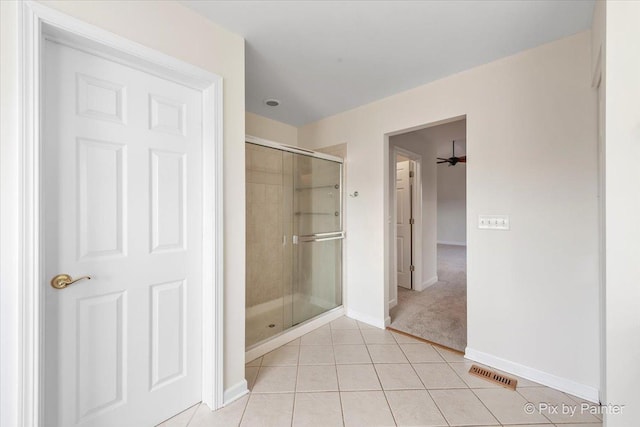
452 185
532 136
9 217
452 205
622 134
175 30
599 83
273 130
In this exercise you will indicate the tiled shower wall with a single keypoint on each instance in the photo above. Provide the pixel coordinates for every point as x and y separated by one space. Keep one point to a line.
268 261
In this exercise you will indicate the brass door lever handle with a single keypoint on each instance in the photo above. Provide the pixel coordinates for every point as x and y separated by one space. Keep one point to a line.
61 281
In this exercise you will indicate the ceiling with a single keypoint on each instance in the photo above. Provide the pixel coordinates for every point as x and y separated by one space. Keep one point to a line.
319 58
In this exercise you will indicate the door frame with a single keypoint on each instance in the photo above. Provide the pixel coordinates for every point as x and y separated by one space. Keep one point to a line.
416 230
35 19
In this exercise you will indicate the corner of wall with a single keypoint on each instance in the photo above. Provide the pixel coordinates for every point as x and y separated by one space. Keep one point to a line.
273 130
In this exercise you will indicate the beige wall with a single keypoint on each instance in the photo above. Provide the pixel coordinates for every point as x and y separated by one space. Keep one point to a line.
532 136
622 135
177 31
273 130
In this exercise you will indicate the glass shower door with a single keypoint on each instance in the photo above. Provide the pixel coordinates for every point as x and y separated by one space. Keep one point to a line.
317 236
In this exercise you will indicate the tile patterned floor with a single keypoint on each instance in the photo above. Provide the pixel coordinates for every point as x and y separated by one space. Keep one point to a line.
350 374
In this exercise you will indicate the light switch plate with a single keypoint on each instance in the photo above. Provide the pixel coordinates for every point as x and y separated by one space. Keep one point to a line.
493 222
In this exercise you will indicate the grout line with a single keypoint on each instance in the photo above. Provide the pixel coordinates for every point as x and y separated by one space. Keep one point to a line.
244 410
192 415
483 404
438 407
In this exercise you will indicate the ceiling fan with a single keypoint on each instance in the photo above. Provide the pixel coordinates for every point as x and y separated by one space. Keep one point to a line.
453 160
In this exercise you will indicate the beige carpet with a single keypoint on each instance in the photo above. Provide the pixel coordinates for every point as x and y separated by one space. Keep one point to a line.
439 313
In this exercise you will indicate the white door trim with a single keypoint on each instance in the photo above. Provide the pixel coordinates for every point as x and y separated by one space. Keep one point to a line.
34 20
416 241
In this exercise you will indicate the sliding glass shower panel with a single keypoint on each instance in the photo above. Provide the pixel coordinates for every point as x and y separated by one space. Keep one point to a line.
318 234
268 260
293 239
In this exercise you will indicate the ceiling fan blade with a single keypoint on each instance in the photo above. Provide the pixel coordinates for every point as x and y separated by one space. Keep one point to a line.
443 161
442 158
462 159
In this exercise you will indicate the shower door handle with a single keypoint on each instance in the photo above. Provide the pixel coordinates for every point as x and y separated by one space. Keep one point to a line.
320 237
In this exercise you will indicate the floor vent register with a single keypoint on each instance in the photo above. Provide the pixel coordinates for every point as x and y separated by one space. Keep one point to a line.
494 377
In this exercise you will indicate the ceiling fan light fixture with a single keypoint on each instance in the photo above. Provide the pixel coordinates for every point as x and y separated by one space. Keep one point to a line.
453 160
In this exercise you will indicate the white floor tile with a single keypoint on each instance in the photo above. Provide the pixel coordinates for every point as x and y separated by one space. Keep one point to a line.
551 397
347 336
282 356
377 336
275 379
255 362
273 410
438 375
317 410
328 377
363 325
508 406
357 377
250 373
421 353
316 355
365 409
398 377
182 419
344 323
414 408
462 408
385 353
321 336
317 378
230 415
448 355
351 354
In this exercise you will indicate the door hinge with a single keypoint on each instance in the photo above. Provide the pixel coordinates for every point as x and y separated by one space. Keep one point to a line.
412 268
412 221
410 174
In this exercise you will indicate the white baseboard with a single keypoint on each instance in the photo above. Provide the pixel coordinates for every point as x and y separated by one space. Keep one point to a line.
393 303
292 334
426 284
447 242
387 321
235 392
365 318
563 384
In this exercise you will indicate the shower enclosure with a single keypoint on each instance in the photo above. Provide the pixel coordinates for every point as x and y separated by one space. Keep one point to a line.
294 237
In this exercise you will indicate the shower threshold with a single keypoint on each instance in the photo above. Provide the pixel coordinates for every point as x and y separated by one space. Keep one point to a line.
292 333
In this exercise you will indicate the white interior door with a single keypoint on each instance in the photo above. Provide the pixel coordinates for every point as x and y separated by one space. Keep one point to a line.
403 226
122 203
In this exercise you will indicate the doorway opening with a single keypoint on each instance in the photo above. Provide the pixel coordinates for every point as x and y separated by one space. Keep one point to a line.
428 257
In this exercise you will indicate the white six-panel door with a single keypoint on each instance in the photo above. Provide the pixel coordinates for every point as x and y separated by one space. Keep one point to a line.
122 198
403 216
